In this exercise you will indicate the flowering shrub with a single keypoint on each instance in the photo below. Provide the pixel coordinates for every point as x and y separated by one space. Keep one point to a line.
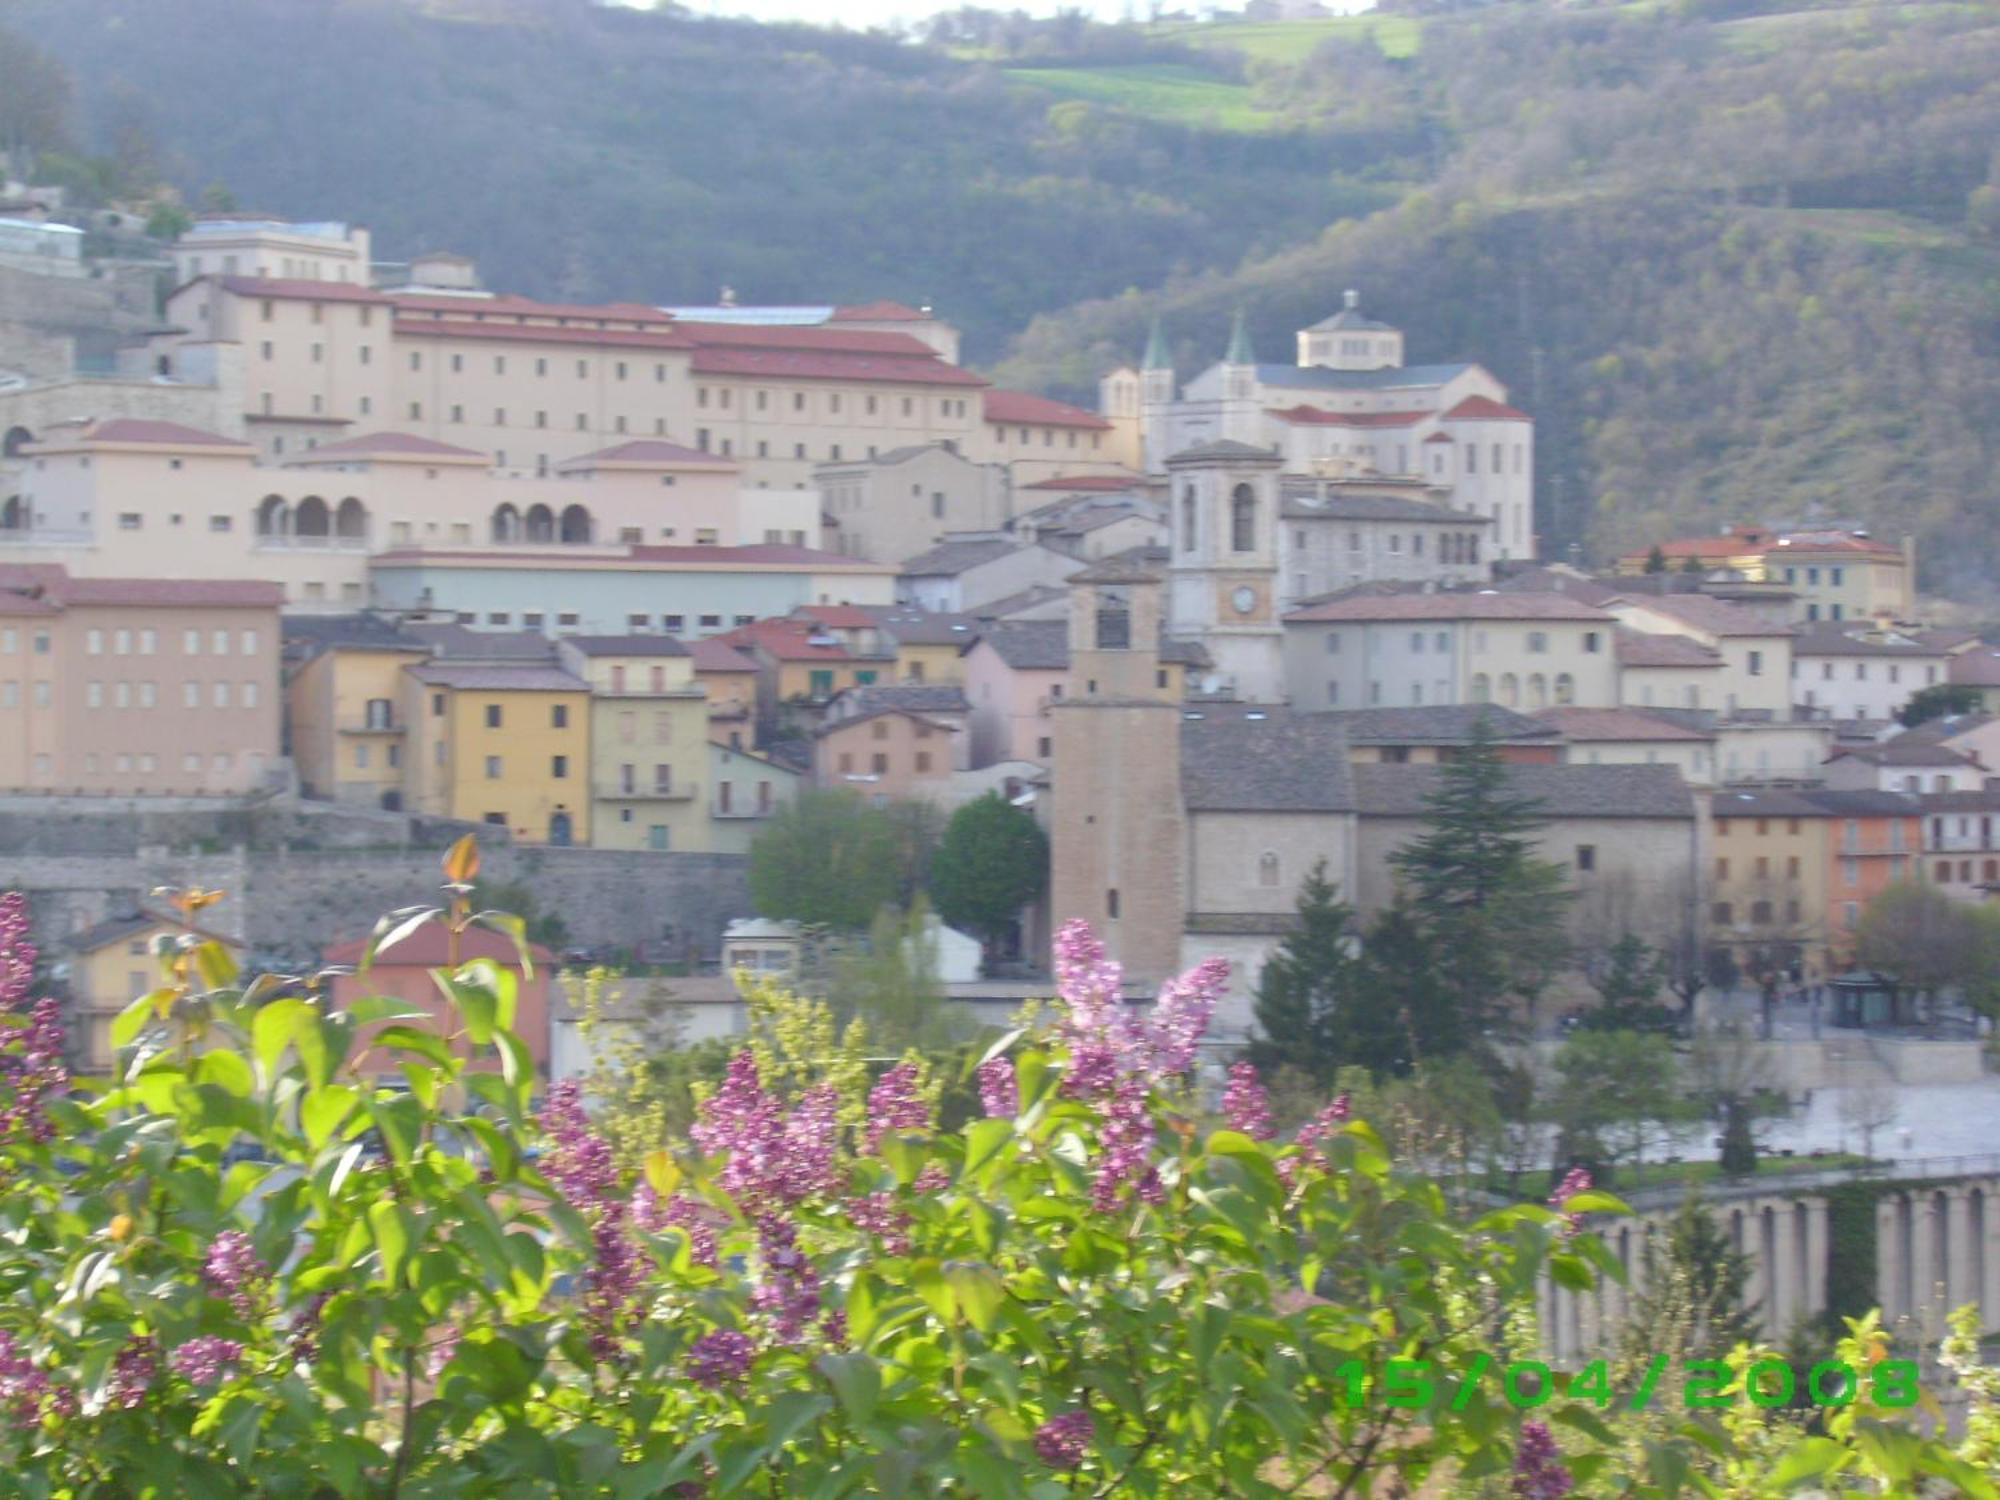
266 1258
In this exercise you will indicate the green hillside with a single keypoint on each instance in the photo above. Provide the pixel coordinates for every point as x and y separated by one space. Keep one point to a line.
1740 257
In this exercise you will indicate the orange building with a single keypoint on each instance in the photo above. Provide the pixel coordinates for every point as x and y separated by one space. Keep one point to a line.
404 973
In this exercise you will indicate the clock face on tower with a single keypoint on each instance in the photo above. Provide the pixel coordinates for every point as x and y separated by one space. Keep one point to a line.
1244 599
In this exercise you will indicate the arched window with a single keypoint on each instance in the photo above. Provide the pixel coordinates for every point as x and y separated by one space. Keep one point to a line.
351 520
17 438
13 515
1267 868
312 518
1510 690
1114 620
541 523
1243 519
1538 690
1187 518
506 523
575 524
1482 688
274 517
1565 688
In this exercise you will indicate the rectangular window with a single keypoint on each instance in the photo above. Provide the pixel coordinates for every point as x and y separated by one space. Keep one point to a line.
559 716
492 716
492 768
559 766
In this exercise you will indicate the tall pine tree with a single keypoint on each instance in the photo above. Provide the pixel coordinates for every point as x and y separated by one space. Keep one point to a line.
1309 986
1492 910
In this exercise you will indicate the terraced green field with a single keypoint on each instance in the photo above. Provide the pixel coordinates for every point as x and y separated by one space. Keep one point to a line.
1160 91
1289 41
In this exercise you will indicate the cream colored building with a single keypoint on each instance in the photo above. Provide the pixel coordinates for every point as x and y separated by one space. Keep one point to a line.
344 709
1523 651
1833 574
1632 737
903 502
1756 653
137 686
648 741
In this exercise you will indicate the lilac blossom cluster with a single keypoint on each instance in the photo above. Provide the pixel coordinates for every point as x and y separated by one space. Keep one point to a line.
204 1361
1576 1180
999 1091
580 1164
17 954
24 1389
721 1357
1117 1060
1313 1135
879 1215
133 1372
31 1067
235 1270
895 1104
1538 1470
1061 1442
1245 1105
696 1220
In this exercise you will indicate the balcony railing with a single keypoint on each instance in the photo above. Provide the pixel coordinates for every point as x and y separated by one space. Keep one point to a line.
646 791
270 541
387 726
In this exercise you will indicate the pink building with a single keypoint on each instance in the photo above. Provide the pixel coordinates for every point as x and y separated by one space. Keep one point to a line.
136 686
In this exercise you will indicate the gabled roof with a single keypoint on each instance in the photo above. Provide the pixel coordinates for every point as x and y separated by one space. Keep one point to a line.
1134 565
313 634
950 558
135 432
1711 616
1899 753
1019 407
838 616
807 364
1438 724
712 654
904 697
910 626
496 677
512 306
49 586
1484 409
789 640
1595 725
849 721
450 641
1237 758
1459 605
654 337
1404 791
648 453
129 925
627 645
284 289
387 445
1832 640
1644 648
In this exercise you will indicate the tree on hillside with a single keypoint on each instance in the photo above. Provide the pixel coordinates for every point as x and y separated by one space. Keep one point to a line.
1656 560
1617 1093
992 861
1938 701
34 103
1922 939
1492 910
828 860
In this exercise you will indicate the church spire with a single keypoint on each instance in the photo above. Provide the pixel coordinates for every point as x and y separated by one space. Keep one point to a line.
1240 352
1157 357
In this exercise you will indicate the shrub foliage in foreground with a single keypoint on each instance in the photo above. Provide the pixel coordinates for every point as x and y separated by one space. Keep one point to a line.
268 1259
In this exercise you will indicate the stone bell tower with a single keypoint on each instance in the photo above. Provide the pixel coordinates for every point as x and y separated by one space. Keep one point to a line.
1117 827
1223 565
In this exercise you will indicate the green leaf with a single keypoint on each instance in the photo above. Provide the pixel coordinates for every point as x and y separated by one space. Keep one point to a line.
227 1071
1809 1458
273 1028
514 926
856 1380
409 1039
863 1308
927 1278
133 1018
979 1291
1001 1046
985 1140
323 1047
394 928
322 1110
1595 1201
368 1008
393 1229
485 995
400 1118
216 965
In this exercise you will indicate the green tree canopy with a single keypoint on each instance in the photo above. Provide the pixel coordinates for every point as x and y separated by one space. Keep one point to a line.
1938 701
828 860
992 861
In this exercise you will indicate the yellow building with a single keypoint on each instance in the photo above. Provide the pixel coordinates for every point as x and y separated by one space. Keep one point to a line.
506 743
1835 575
649 740
110 966
343 706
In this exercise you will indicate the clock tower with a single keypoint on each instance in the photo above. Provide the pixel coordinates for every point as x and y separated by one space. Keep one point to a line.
1223 567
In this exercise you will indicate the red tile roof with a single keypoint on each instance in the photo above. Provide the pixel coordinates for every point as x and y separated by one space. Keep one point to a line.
57 588
879 312
140 430
408 444
283 289
426 948
792 364
787 640
1453 606
1088 483
1639 648
656 452
1485 409
1829 541
839 616
806 339
1438 437
1313 416
540 333
1979 667
1019 407
713 654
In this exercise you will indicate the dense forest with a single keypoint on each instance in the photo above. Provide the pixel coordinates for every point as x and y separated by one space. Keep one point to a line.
1740 257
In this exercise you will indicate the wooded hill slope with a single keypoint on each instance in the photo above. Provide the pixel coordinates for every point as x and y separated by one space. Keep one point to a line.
1740 258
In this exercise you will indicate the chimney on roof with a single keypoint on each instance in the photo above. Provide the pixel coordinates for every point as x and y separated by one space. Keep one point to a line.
727 297
1350 299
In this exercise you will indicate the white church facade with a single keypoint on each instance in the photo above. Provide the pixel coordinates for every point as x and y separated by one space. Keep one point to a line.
1348 411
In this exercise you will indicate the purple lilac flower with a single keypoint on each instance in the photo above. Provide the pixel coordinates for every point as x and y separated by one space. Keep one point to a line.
833 1326
1245 1105
1061 1442
877 1214
235 1270
17 954
579 1161
894 1104
24 1390
1180 1017
32 1071
1538 1470
443 1352
788 1286
934 1178
132 1374
1313 1133
580 1164
721 1357
999 1092
1127 1139
204 1360
1576 1180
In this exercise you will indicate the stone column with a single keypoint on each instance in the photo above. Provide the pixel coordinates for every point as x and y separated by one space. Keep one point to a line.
1783 1276
1889 1280
1816 1249
1960 1265
1923 1236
